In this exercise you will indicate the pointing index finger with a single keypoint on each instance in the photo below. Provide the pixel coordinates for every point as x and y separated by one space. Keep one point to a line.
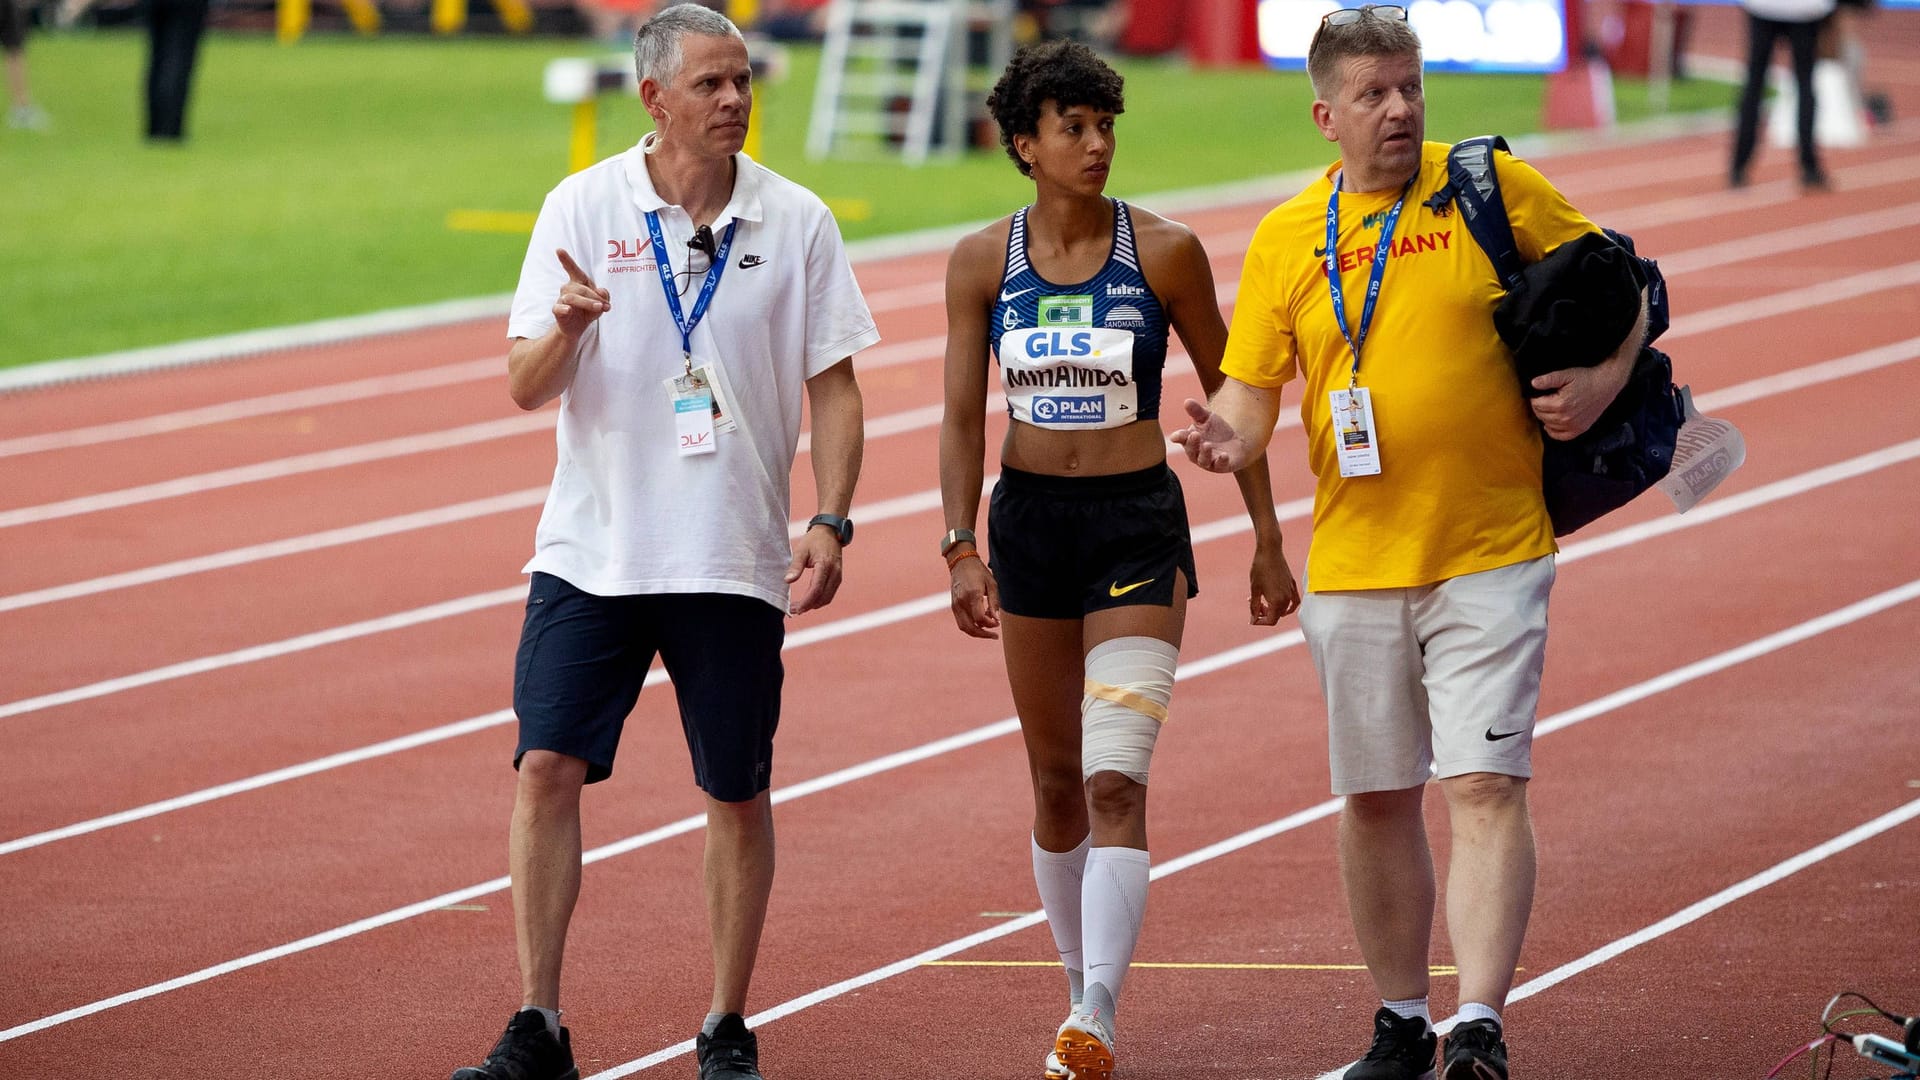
573 268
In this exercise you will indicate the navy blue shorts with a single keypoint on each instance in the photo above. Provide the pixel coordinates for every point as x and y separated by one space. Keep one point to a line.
1063 547
583 658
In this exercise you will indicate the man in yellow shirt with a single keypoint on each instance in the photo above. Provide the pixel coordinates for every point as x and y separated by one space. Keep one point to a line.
1432 554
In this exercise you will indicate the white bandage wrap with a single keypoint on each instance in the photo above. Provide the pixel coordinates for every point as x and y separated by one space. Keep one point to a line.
1129 683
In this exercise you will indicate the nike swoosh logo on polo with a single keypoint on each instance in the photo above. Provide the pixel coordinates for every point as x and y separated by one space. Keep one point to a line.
748 262
1117 589
1006 296
1491 737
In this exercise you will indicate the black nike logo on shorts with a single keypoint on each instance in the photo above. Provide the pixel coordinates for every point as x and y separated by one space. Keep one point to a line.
1491 737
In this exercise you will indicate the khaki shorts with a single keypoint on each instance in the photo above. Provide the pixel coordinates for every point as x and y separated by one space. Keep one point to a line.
1437 680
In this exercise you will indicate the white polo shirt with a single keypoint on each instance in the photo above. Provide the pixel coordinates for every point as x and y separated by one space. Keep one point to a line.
627 513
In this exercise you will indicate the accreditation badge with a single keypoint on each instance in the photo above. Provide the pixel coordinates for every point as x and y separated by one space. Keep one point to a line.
1354 439
693 413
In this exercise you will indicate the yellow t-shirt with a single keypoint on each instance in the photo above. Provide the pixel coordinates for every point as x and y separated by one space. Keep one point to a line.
1459 487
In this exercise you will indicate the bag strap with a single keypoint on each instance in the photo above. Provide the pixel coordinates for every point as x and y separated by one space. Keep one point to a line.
1475 187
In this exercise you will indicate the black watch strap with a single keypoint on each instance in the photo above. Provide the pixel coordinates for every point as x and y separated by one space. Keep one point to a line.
842 527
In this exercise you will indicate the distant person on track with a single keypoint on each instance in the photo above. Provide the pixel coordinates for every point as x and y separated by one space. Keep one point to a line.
1091 563
1800 22
677 299
1432 553
22 113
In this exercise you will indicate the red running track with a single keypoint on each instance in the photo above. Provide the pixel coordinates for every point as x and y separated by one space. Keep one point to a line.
327 916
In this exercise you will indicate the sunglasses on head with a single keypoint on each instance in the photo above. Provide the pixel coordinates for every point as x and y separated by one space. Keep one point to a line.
1348 16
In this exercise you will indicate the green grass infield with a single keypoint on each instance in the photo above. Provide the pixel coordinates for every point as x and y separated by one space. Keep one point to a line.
318 179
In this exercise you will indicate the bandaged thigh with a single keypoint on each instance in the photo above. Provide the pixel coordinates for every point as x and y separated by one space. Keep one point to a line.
1129 683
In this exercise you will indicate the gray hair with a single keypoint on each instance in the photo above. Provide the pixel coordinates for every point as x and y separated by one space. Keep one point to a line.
1369 35
656 45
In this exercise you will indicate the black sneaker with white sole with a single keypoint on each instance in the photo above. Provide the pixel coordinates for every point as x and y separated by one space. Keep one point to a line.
730 1053
527 1051
1402 1049
1475 1052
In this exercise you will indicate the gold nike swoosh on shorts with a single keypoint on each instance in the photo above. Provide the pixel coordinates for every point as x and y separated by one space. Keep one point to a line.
1117 589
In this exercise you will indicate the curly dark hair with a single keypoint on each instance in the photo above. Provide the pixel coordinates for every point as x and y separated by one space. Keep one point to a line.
1064 72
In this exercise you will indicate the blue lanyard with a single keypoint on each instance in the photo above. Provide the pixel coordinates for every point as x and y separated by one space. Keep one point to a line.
700 302
1376 276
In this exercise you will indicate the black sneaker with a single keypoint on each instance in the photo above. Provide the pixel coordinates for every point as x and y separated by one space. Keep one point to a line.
730 1053
1402 1050
1475 1052
526 1052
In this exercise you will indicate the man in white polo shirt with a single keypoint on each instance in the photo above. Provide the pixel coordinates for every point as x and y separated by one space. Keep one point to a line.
677 299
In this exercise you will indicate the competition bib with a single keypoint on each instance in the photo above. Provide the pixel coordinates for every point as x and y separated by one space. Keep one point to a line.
1069 378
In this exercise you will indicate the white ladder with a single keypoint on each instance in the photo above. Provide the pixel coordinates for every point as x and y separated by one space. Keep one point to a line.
881 53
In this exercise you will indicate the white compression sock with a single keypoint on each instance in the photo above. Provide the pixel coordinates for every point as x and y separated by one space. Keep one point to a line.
1057 875
1113 899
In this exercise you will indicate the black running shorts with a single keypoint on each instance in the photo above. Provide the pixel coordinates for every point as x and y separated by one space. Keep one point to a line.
1062 547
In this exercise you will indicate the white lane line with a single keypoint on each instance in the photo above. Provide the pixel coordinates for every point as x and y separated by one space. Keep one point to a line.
297 545
446 609
911 419
1815 234
1559 722
853 624
1695 323
1853 180
1006 726
810 636
384 449
266 405
893 424
1813 296
332 636
1693 913
919 502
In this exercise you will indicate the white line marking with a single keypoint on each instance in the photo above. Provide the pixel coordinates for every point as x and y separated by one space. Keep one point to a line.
1187 670
298 545
1819 295
244 408
879 511
443 610
1838 844
1695 323
1851 613
250 342
426 442
872 620
1815 234
1892 819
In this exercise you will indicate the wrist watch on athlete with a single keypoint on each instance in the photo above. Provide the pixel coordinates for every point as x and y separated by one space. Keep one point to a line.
954 538
842 527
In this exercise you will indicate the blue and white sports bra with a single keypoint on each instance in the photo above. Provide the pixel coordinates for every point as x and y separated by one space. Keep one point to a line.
1080 356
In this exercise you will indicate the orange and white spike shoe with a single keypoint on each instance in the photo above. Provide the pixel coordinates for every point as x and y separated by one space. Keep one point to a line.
1056 1070
1085 1045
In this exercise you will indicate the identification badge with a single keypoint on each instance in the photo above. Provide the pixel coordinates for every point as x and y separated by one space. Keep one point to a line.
693 423
1355 442
700 410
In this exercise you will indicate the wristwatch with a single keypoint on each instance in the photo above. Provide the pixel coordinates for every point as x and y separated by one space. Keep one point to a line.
842 528
954 538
